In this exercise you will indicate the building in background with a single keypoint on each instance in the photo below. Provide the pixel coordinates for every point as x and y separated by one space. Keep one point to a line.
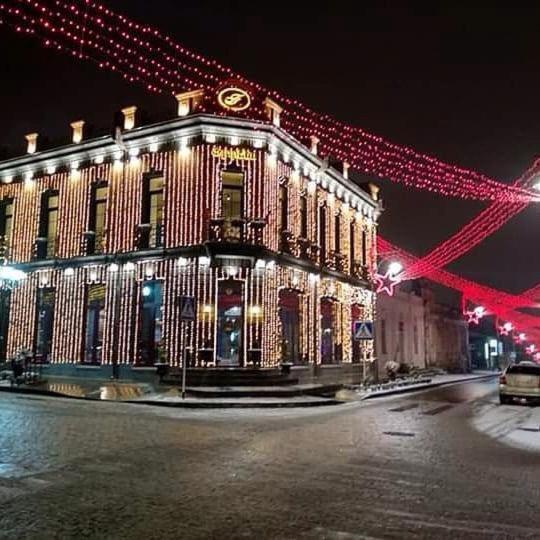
275 247
414 328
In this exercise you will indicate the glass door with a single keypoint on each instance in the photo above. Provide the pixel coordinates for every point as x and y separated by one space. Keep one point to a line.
230 323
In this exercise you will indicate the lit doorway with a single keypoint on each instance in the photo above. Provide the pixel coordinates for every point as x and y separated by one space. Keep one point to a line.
330 347
230 323
289 314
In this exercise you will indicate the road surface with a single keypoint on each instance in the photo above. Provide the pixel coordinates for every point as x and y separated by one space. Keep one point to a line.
413 466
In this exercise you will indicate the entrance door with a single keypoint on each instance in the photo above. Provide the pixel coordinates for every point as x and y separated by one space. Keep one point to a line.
95 323
4 322
289 313
230 323
328 331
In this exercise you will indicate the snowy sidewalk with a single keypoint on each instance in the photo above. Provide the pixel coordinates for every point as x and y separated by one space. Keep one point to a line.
515 425
353 393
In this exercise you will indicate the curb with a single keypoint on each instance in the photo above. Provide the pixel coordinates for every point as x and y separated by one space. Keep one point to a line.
405 390
178 404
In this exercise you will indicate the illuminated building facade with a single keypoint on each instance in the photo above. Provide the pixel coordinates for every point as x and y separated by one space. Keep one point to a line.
276 247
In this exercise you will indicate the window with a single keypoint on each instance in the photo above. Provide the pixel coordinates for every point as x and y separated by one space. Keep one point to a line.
383 337
150 322
364 248
401 342
415 338
322 233
97 218
303 217
152 213
331 348
352 240
283 208
232 195
48 225
94 323
337 233
44 323
523 369
6 220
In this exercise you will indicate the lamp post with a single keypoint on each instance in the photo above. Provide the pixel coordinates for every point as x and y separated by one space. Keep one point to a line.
10 277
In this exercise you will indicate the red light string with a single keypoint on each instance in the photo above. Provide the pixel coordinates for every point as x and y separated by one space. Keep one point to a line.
472 234
364 152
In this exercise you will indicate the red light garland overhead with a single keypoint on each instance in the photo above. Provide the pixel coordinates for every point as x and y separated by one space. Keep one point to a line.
71 26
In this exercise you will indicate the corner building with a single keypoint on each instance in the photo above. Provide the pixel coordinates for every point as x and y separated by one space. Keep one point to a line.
276 247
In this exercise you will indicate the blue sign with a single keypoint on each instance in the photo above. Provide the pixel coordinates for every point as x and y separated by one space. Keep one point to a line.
187 308
363 330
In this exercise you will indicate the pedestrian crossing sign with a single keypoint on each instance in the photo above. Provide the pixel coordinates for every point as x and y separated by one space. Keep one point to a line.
363 330
187 308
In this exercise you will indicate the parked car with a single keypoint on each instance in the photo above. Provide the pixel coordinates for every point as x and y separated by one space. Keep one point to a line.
520 381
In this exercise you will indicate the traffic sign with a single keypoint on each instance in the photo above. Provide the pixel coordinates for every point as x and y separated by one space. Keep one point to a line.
187 308
363 330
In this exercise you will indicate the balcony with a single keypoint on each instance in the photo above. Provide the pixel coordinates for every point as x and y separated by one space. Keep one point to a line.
360 271
93 242
149 235
237 231
308 250
287 243
44 248
4 249
335 261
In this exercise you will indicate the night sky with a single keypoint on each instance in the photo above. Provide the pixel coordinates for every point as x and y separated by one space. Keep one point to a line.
458 82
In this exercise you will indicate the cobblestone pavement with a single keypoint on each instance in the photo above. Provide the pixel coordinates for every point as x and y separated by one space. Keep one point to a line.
402 467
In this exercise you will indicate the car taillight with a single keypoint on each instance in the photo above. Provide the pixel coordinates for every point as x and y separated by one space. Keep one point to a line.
502 379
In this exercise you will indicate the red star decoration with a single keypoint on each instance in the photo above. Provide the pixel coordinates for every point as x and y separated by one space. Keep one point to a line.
472 317
386 283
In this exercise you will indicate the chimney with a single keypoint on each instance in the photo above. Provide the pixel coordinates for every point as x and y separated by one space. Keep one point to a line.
129 117
77 128
374 191
188 101
314 144
32 142
346 167
273 111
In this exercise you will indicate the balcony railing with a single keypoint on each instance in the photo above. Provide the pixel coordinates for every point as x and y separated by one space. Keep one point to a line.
44 248
287 243
308 250
335 261
360 271
93 242
4 249
238 230
149 235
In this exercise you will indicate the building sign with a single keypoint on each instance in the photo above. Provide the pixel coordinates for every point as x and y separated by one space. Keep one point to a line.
238 154
363 330
234 99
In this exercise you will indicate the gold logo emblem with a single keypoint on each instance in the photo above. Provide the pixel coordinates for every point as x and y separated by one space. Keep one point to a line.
234 99
238 154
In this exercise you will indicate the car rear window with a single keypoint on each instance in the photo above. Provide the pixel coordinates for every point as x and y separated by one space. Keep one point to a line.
519 369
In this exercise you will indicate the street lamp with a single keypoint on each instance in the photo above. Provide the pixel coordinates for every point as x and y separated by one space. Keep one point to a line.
390 279
394 268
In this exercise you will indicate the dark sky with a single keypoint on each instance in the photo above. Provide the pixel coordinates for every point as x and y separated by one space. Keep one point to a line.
458 81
